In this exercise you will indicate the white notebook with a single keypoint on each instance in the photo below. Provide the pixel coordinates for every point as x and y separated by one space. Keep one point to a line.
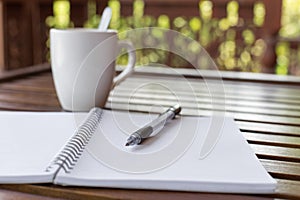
89 150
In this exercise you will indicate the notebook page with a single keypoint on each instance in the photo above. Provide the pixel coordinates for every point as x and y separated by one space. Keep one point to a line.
231 167
29 141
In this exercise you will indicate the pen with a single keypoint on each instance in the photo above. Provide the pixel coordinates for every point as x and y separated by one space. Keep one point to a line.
154 126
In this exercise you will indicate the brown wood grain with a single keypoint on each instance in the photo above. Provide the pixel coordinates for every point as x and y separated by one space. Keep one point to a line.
1 38
288 189
243 77
276 152
12 195
282 169
230 99
269 128
272 140
104 193
263 90
9 75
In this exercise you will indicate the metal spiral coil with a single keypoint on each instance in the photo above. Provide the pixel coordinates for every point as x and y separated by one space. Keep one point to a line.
71 152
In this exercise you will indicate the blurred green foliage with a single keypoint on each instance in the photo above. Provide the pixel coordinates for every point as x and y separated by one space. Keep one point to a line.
60 19
61 15
235 50
288 59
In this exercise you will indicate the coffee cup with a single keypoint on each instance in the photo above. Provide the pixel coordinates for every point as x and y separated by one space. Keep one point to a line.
83 66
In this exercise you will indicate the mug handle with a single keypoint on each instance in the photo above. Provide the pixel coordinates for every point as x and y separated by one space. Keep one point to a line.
131 62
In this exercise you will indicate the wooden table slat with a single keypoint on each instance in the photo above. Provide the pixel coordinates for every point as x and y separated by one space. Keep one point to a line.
202 106
253 117
288 189
200 94
207 98
218 86
187 90
282 169
269 128
277 153
9 195
242 77
272 140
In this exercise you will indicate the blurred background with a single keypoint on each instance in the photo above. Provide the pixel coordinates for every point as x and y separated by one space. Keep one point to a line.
240 35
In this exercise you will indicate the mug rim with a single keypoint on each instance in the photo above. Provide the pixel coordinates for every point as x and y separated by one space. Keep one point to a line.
83 30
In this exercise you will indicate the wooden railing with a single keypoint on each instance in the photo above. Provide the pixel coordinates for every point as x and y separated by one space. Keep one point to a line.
25 32
1 37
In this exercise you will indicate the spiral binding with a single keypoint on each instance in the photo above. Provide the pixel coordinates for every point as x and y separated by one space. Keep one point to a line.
69 155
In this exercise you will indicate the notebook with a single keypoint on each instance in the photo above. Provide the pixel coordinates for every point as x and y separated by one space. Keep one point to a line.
88 149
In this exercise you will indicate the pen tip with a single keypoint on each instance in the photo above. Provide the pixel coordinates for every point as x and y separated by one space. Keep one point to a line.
177 109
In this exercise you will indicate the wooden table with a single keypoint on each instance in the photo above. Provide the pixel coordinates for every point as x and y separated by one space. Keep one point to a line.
266 109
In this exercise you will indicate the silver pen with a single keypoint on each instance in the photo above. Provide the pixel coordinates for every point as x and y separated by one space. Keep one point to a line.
153 127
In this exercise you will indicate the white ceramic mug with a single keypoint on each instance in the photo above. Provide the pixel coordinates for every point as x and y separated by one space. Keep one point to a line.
83 66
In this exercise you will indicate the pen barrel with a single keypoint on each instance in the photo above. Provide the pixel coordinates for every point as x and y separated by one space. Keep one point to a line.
159 123
154 126
143 133
139 135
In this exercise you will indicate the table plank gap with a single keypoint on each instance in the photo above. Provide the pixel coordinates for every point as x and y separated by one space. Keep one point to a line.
276 153
272 140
